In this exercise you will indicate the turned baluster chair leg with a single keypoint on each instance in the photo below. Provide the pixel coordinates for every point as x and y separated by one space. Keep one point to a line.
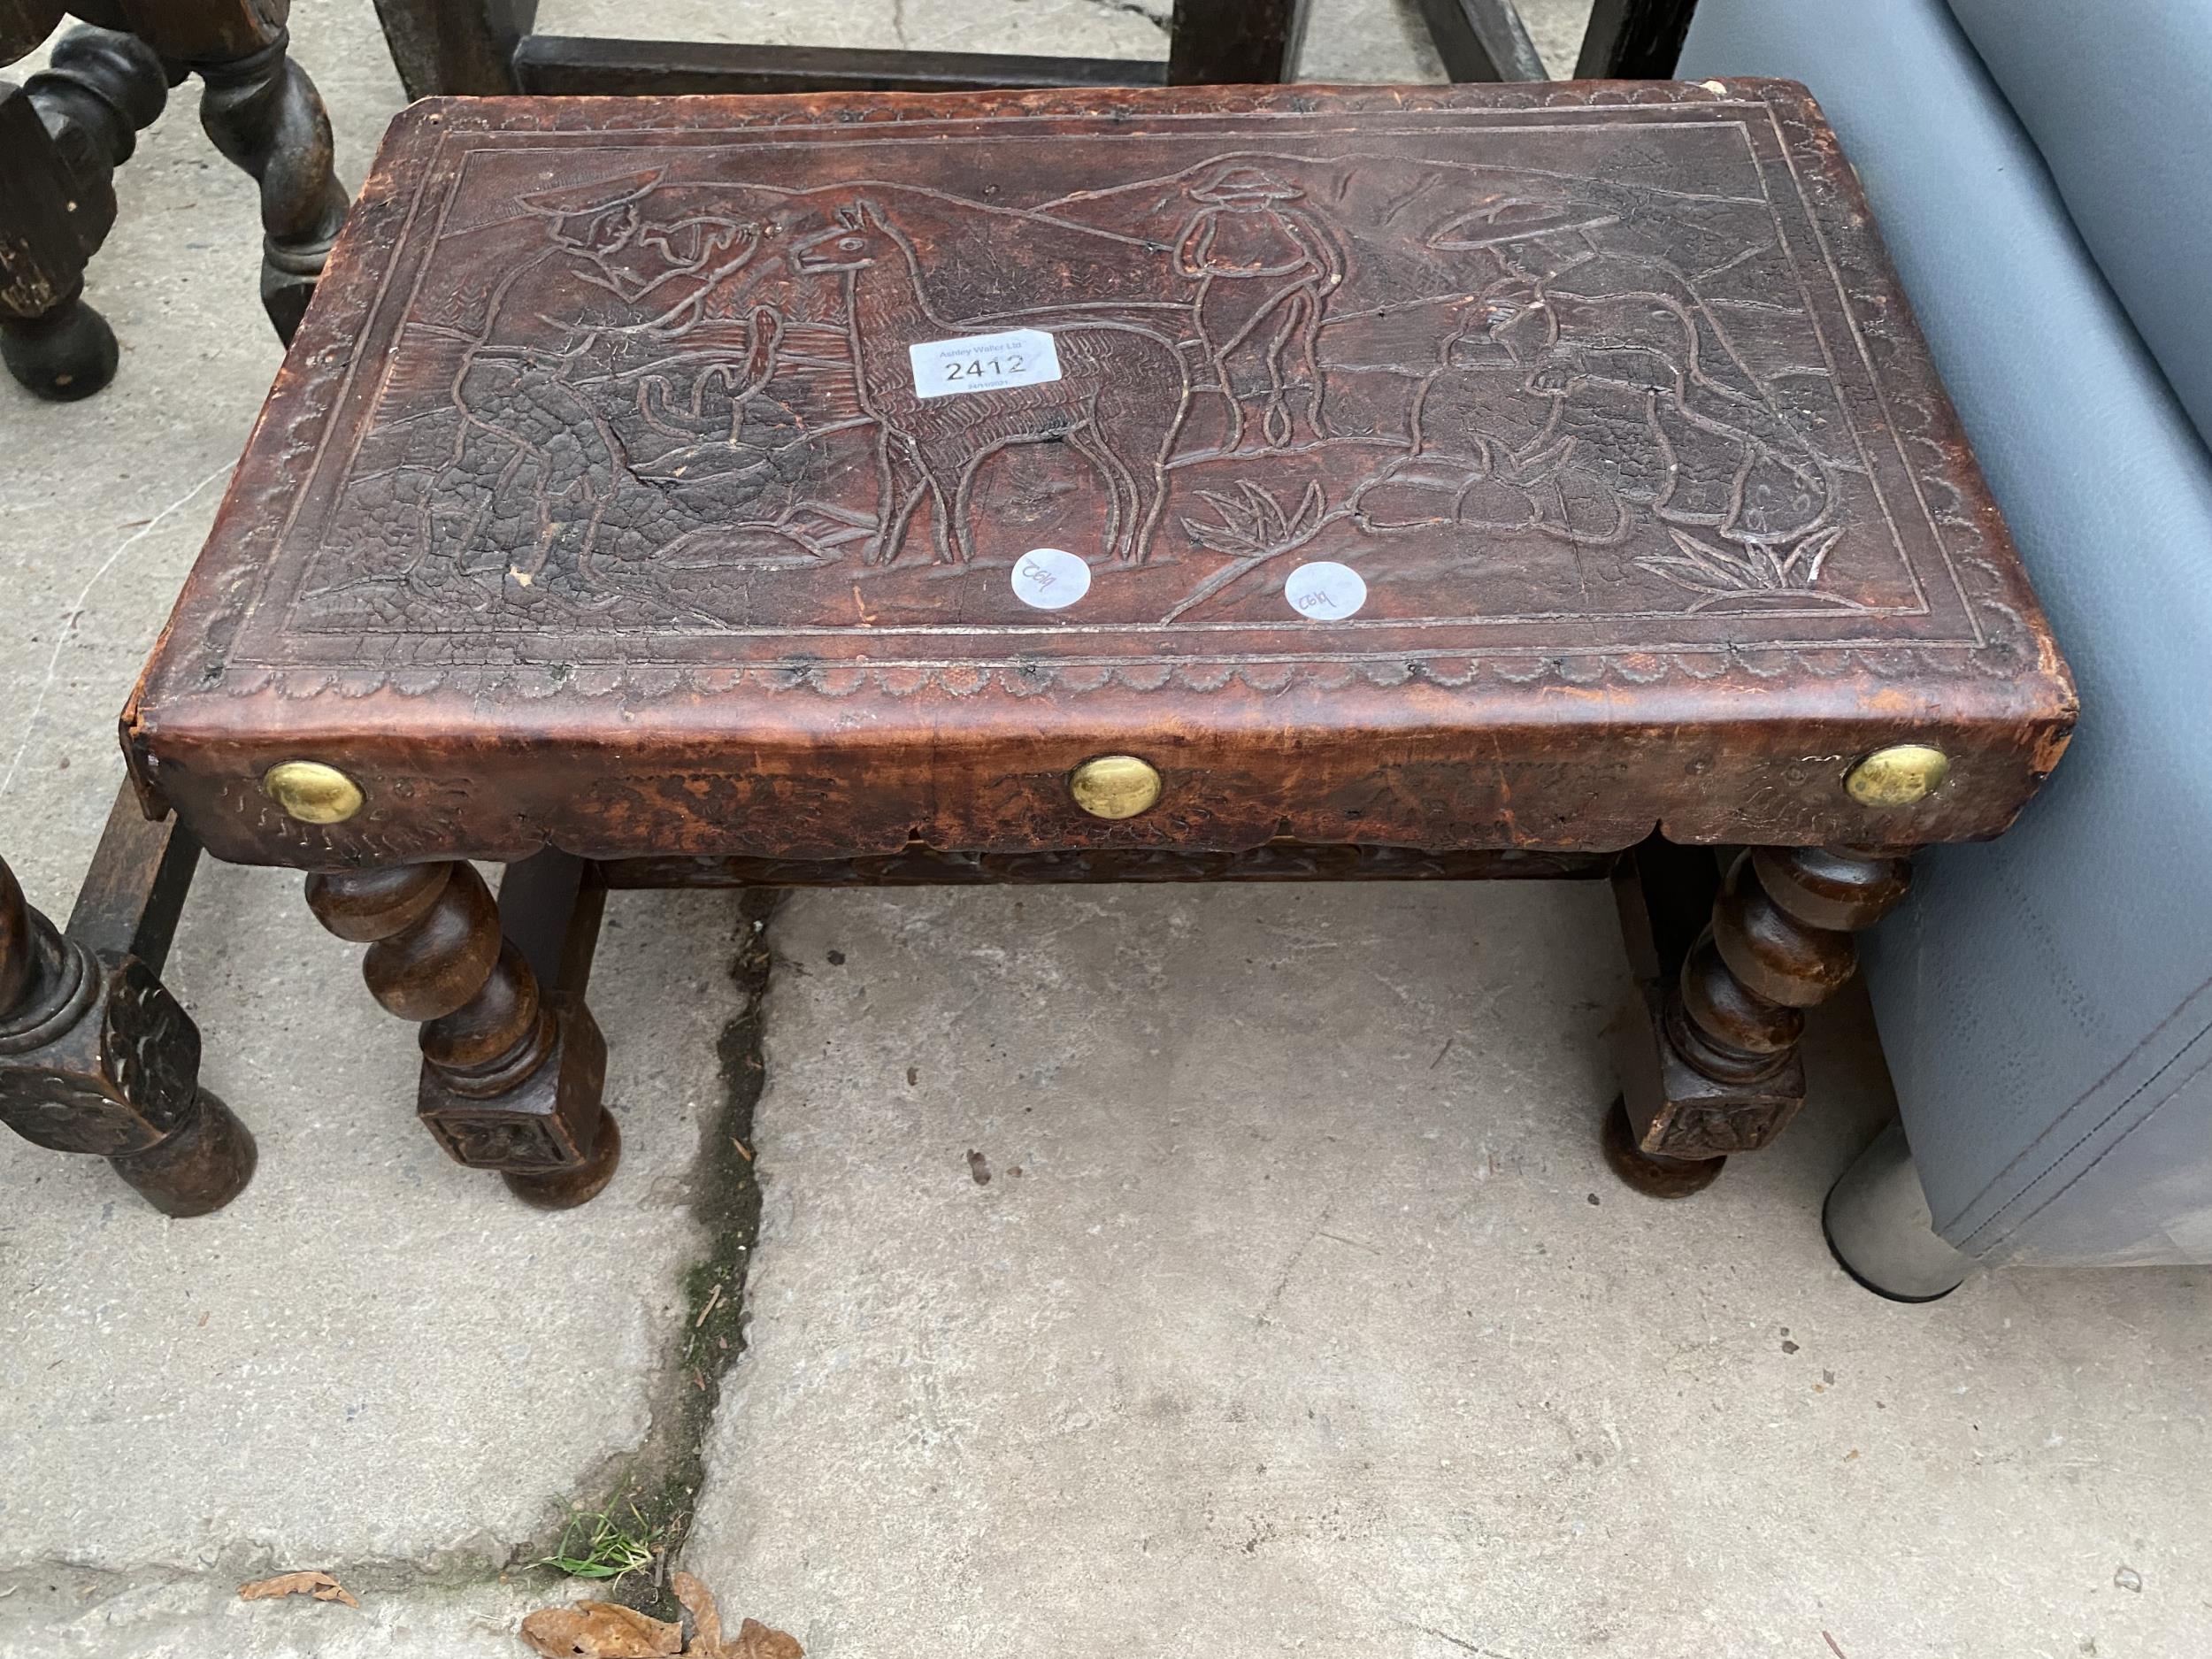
264 114
1228 42
511 1077
64 352
1714 1068
96 1055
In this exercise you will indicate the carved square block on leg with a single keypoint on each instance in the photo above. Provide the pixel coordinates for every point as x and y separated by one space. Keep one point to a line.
550 1121
99 1058
1676 1111
113 1069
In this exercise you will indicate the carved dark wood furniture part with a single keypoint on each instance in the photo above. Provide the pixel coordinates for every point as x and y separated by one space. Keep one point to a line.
511 1075
486 47
1634 40
1482 40
65 132
1099 486
96 1055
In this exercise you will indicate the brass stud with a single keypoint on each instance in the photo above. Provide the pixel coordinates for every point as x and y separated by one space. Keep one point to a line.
1898 775
1114 786
311 792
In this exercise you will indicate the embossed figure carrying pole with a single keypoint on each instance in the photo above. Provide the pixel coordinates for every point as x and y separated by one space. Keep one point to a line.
1265 270
96 1055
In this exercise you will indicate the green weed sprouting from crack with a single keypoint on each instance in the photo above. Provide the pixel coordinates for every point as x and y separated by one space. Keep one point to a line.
599 1546
659 1485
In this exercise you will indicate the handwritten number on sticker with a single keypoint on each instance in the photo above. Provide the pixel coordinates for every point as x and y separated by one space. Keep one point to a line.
1325 591
1050 579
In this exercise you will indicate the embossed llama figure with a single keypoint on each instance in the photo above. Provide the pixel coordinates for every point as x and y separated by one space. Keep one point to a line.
1120 401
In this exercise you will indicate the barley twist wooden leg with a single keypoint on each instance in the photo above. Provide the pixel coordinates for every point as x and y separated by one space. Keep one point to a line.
95 1056
263 113
511 1078
1715 1070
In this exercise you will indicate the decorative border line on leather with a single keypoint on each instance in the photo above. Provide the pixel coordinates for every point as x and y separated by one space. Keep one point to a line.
645 682
305 399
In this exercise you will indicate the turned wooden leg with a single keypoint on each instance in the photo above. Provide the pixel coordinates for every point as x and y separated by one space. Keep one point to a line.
511 1077
62 135
1230 42
259 106
96 1055
264 114
444 48
62 354
1633 39
1482 40
1712 1066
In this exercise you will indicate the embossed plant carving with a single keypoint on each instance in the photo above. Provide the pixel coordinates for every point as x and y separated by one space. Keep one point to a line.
1253 523
1722 570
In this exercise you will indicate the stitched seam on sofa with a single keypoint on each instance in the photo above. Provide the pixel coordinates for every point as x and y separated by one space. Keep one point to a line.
2026 1155
2090 1135
2180 1084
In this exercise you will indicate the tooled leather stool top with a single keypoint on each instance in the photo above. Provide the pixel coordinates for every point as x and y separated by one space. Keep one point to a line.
1470 467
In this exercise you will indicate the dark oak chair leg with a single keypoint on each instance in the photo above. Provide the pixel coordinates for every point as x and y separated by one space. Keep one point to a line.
488 47
511 1077
25 23
1712 1068
1633 39
1231 43
62 135
96 1055
462 47
264 114
66 352
1482 40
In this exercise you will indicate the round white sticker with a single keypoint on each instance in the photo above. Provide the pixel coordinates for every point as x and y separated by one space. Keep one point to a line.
1325 591
1050 579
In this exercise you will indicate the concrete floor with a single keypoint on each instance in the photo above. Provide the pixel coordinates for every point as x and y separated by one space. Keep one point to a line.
1298 1313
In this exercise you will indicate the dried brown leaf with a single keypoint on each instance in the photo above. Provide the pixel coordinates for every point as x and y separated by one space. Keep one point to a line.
600 1630
706 1618
321 1585
756 1640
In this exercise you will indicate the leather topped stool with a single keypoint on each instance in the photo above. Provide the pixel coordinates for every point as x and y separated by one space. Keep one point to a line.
1104 485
